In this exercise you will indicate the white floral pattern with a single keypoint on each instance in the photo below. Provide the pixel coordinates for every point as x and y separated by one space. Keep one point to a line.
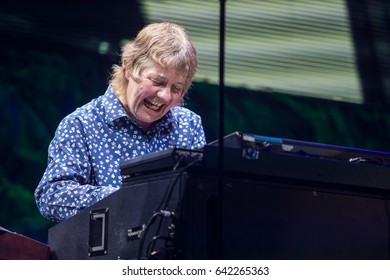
84 155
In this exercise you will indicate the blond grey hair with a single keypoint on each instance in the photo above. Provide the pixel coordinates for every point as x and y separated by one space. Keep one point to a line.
166 44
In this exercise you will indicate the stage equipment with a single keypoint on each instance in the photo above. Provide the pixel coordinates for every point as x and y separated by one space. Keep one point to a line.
280 199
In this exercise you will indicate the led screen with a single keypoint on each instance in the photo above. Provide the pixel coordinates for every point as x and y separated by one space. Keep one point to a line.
295 47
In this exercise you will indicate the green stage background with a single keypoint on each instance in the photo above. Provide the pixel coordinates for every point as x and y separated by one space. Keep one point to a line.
43 80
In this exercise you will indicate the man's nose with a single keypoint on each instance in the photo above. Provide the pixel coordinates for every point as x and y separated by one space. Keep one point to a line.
165 94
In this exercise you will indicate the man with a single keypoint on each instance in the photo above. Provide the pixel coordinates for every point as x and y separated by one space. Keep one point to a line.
140 113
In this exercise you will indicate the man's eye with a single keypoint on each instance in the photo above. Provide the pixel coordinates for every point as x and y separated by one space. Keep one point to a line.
176 90
157 83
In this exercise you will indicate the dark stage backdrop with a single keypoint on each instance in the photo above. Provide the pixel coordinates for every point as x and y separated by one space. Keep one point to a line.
57 57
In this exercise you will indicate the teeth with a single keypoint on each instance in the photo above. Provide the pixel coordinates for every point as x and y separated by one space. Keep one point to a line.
152 105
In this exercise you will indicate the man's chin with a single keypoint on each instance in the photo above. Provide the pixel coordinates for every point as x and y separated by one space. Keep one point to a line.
146 122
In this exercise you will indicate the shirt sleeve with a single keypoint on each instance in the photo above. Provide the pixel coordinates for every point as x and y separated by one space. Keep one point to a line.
67 185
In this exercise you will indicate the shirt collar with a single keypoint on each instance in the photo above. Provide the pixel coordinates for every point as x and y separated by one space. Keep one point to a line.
112 106
115 111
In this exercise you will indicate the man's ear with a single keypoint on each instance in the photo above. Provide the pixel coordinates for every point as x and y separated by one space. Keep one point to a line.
127 74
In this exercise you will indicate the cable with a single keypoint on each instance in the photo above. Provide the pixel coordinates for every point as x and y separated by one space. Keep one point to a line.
172 186
221 124
162 210
181 158
147 227
170 190
154 254
150 252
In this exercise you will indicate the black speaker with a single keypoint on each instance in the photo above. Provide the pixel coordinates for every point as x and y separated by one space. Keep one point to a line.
113 227
247 217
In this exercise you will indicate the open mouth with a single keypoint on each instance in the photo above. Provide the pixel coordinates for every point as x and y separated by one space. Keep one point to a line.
152 105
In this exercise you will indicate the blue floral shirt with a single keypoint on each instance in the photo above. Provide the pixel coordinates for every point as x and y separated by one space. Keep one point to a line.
84 155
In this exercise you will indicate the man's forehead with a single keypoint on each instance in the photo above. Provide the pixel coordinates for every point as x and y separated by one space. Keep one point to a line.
164 73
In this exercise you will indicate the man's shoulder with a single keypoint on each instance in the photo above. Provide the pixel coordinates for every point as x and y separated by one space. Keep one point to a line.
85 111
84 114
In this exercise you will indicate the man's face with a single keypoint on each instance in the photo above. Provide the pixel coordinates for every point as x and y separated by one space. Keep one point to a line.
151 97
